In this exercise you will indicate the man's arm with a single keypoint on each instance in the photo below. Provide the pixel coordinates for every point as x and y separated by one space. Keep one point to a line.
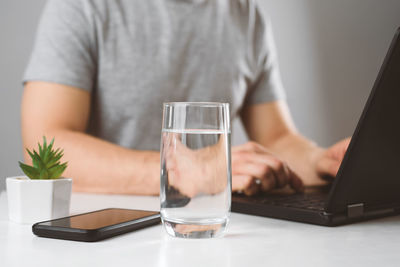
271 125
62 112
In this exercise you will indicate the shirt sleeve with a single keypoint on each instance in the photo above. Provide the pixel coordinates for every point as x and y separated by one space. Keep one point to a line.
65 50
267 84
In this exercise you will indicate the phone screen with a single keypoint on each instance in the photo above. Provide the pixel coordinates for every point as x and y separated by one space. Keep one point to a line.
100 219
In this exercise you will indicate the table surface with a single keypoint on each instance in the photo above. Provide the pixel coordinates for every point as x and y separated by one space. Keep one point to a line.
249 241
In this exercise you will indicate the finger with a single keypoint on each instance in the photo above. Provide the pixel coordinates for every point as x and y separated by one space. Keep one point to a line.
294 181
340 148
253 188
240 182
245 184
268 164
280 171
258 178
328 166
268 183
252 169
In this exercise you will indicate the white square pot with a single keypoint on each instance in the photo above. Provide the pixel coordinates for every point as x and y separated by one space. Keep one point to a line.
31 201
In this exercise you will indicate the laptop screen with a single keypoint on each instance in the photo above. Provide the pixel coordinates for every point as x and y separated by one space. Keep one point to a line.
370 171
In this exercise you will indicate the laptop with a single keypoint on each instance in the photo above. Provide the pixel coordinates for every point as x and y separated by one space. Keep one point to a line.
367 184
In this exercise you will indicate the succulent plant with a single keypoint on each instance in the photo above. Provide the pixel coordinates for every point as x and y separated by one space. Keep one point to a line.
46 163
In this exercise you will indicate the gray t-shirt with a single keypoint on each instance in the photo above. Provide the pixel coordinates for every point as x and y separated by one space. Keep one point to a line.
133 55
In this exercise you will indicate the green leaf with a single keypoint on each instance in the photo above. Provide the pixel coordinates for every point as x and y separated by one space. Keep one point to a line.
29 171
44 143
56 171
46 163
34 158
55 153
44 174
38 160
46 151
45 156
40 150
51 144
54 161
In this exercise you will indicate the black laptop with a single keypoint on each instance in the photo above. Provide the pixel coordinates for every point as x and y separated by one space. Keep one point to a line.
368 182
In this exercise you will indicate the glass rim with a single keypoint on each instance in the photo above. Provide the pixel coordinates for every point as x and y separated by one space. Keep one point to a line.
205 104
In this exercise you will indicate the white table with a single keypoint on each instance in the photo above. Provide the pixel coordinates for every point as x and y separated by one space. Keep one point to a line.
249 241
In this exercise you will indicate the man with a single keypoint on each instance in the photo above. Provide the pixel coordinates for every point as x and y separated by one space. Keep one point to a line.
100 71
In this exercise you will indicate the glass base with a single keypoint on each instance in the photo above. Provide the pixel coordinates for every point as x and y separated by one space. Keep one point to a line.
195 230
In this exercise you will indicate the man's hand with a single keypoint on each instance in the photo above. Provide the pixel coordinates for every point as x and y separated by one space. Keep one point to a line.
329 160
195 171
255 169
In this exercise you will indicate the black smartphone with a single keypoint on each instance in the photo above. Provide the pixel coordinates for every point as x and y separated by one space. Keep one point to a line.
96 225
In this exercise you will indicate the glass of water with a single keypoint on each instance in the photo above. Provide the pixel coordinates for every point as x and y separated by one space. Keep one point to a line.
195 169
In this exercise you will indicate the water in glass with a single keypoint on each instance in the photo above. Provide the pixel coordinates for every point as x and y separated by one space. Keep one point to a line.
195 182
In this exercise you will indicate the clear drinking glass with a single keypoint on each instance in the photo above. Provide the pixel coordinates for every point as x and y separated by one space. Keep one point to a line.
195 169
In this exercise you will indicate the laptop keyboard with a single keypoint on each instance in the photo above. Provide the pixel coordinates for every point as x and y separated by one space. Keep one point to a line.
311 201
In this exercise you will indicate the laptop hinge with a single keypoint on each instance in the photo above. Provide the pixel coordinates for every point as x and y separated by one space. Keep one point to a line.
355 210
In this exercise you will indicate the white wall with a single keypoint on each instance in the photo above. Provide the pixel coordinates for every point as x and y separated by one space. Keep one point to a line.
330 52
18 19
